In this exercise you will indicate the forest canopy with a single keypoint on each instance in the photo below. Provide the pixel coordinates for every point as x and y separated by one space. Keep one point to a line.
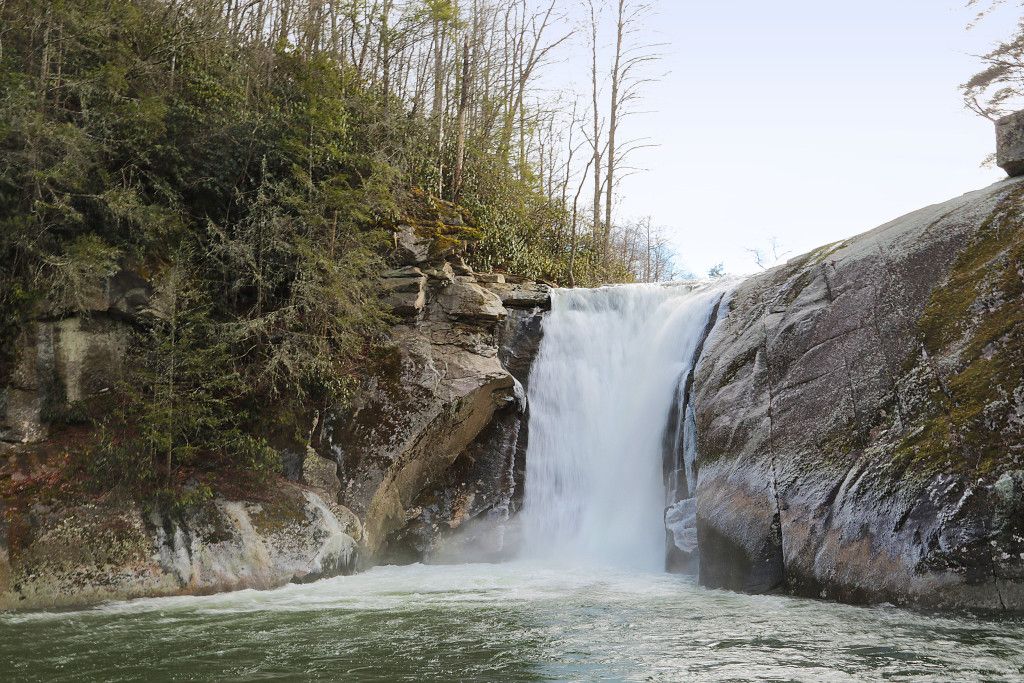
250 157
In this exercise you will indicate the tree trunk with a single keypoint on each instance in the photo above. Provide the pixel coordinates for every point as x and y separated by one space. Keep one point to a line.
613 116
460 141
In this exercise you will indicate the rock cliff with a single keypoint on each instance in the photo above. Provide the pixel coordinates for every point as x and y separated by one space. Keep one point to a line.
77 555
860 416
436 437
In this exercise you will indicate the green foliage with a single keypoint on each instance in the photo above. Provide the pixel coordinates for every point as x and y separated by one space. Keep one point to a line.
253 181
998 88
524 231
176 408
250 186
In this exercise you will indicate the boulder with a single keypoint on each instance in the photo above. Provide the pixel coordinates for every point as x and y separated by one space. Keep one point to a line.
1010 143
404 284
522 295
407 304
466 300
443 275
81 554
406 293
403 272
460 267
467 513
437 435
860 416
421 407
411 248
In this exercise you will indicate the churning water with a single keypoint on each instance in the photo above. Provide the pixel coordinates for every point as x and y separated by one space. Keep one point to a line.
601 390
511 622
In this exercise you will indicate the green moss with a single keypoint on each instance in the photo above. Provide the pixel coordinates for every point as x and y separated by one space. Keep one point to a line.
949 310
819 255
285 509
797 286
449 226
976 317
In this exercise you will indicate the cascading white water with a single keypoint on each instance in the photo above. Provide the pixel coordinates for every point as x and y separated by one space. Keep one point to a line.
601 390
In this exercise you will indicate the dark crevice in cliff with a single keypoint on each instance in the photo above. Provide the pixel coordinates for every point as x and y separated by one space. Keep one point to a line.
697 353
672 441
995 585
858 418
777 521
828 285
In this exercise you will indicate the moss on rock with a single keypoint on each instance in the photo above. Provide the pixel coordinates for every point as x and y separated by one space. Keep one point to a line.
973 326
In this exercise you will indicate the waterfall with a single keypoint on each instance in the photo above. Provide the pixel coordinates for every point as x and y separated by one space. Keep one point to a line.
601 390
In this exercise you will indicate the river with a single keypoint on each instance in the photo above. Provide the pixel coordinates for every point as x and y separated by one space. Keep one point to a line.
510 622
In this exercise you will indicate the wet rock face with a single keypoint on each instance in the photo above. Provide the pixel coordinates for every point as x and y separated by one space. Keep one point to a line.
79 555
860 418
434 439
465 515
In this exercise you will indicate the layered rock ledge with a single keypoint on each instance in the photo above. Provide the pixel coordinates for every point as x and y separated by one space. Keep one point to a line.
437 438
78 555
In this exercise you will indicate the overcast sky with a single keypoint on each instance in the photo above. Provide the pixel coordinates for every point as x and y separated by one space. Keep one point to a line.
805 120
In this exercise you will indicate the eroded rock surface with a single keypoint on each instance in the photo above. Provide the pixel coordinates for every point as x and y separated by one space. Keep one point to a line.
860 416
434 440
77 555
65 359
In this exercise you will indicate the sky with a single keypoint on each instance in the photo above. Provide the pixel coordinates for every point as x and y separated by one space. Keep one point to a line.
806 121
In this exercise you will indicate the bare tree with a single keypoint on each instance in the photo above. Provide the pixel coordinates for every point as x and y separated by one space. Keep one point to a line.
632 54
600 235
769 256
998 88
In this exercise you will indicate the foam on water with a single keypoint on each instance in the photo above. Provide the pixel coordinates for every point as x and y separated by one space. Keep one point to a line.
519 621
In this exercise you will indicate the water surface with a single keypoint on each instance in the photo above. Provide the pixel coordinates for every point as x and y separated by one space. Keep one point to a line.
511 622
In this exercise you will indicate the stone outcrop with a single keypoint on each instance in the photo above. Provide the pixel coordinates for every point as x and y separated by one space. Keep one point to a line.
860 416
1010 143
465 513
437 435
81 554
63 360
434 439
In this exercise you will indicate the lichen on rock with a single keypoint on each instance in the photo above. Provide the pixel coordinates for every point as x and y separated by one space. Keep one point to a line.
857 407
